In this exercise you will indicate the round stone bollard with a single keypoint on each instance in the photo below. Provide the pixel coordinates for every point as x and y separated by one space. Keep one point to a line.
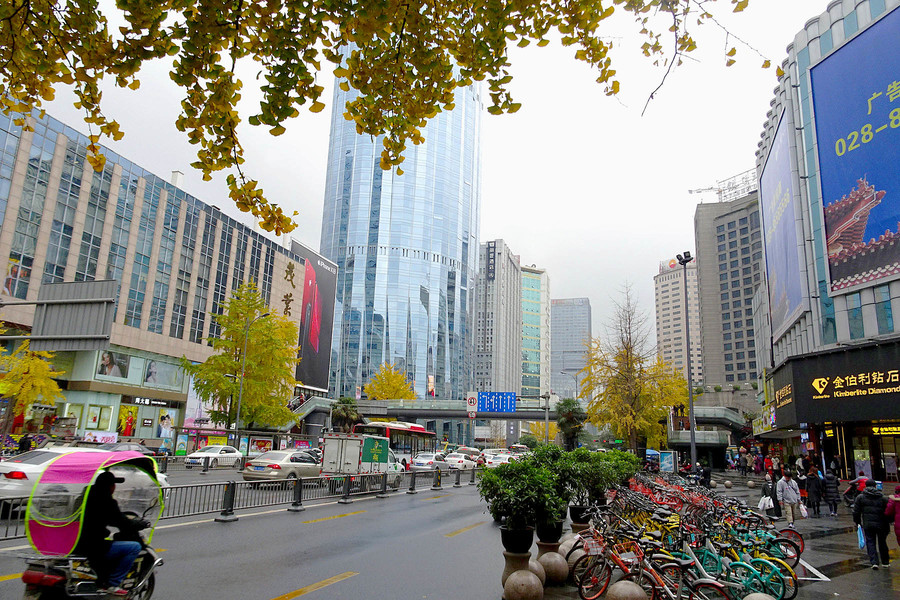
566 546
713 484
758 596
538 569
728 484
625 590
751 484
555 567
523 585
566 537
574 557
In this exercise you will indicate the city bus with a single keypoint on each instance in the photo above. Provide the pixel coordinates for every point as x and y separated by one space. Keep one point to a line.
406 439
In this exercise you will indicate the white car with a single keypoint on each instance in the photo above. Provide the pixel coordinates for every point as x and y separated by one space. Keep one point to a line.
495 460
460 461
225 456
19 473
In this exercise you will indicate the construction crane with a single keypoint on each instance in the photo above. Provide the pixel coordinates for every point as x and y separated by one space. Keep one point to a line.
733 187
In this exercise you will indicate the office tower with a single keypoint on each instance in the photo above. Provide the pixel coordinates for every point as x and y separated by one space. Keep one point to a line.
570 333
498 331
535 332
406 247
671 338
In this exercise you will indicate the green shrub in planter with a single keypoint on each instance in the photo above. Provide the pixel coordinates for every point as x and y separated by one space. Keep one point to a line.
558 465
520 492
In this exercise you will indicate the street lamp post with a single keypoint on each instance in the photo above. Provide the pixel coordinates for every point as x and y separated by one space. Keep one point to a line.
574 378
683 261
237 419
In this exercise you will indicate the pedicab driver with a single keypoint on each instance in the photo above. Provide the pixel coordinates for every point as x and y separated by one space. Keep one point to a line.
111 560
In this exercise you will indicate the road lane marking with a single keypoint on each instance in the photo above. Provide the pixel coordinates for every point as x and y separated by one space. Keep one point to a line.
359 512
316 586
435 497
8 577
814 571
464 529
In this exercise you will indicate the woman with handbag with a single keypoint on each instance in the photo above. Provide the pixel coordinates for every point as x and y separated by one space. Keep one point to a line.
814 491
768 491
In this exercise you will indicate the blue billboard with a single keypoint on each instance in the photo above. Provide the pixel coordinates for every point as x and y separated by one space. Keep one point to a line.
856 104
776 191
496 402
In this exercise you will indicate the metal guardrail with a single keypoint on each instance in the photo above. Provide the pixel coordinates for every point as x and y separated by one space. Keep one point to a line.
226 497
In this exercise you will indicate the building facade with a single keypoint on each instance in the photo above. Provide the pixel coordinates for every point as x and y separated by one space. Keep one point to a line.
829 190
406 247
498 330
177 260
728 236
570 334
671 333
535 332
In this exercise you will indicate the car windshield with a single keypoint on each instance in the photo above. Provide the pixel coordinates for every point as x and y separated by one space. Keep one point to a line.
211 449
34 457
273 456
456 456
108 446
425 457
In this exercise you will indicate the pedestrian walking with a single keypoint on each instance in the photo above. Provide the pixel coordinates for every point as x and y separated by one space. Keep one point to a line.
869 510
768 489
815 489
832 492
24 443
788 498
743 464
758 464
892 512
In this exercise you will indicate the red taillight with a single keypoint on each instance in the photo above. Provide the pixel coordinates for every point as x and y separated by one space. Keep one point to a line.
274 467
42 579
15 475
430 462
248 465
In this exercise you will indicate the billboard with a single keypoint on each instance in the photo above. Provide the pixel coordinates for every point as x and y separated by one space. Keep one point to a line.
778 206
856 103
316 318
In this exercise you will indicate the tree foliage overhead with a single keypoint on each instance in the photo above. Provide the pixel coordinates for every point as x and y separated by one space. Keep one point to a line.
271 362
389 383
405 58
29 378
570 418
345 414
632 388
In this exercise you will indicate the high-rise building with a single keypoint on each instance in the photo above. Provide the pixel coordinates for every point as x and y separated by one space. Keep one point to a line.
406 247
535 332
729 268
570 333
498 331
671 333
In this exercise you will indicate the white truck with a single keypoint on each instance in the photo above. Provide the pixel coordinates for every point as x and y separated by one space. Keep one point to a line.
359 454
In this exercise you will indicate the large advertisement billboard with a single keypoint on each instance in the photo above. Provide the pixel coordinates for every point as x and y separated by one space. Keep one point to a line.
316 318
776 192
856 103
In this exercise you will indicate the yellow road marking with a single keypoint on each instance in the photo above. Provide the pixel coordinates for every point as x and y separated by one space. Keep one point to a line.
8 577
317 586
436 497
359 512
464 529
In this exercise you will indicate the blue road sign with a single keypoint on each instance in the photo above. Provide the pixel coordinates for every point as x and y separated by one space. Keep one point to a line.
496 402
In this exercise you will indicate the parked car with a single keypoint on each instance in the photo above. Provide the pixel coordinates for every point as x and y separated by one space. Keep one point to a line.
315 452
495 460
127 446
472 453
460 461
429 461
19 473
227 456
280 465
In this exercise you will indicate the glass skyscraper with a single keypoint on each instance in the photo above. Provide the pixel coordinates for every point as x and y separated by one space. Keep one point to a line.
407 252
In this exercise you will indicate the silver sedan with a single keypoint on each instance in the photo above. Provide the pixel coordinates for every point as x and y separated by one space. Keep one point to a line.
429 461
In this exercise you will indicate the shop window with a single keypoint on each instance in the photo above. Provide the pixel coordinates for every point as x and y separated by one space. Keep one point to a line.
854 316
883 309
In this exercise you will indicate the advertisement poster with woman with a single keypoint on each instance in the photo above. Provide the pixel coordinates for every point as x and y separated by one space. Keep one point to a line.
113 365
128 420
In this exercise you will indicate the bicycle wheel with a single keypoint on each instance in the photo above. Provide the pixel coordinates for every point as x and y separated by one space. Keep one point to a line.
646 581
774 580
785 549
791 583
794 536
594 581
748 577
583 564
708 591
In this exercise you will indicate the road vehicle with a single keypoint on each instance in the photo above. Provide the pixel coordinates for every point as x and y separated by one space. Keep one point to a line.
406 439
356 454
281 465
429 461
53 524
227 456
19 473
126 446
460 461
495 460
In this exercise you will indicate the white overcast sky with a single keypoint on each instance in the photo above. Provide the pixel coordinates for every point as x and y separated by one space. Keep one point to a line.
575 182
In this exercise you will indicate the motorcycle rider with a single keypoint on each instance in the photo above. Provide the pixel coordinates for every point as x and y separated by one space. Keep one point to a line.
111 560
856 488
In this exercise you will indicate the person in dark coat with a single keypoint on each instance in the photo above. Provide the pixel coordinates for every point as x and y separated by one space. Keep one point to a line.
869 511
111 560
893 514
815 489
832 492
768 489
25 443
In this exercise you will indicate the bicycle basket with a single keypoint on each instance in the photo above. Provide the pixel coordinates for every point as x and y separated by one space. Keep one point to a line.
593 546
629 551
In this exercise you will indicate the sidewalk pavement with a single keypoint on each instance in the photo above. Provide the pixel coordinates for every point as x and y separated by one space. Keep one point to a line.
832 565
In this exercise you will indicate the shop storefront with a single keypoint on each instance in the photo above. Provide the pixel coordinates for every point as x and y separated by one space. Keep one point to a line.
844 403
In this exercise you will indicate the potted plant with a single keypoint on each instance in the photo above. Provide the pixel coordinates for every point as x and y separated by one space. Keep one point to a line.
580 466
514 493
551 512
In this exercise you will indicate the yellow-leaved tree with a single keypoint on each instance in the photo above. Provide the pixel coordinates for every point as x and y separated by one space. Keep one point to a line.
631 388
537 429
29 379
405 58
389 383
